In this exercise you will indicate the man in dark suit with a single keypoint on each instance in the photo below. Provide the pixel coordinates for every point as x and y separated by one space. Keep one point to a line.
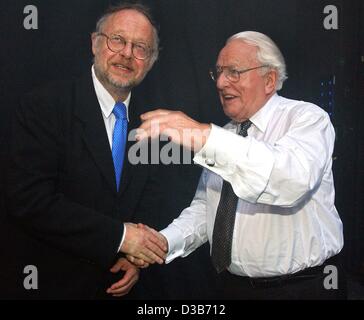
71 186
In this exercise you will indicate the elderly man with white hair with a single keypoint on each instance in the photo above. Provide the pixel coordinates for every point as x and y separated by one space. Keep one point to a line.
265 200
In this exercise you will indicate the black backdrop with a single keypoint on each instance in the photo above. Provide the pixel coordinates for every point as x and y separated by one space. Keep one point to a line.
192 32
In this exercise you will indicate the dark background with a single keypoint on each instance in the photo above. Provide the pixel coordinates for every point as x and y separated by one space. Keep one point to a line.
192 32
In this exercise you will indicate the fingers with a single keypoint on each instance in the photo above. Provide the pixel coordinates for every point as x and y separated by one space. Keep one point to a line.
153 231
176 126
123 286
140 263
151 123
154 113
157 245
157 238
155 123
117 266
150 253
157 234
155 253
152 250
130 277
149 257
143 244
152 127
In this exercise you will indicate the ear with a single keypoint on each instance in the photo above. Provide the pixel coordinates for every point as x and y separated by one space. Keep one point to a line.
94 42
270 81
150 65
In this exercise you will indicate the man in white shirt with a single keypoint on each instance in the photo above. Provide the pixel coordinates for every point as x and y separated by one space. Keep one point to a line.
285 227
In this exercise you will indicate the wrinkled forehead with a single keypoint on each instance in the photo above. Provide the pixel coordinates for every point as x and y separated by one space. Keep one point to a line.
237 53
131 21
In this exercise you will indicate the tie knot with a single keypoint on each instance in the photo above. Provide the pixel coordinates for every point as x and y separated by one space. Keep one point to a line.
119 110
244 126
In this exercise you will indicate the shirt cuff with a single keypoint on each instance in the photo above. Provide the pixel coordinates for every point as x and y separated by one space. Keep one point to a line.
176 242
244 162
221 157
122 239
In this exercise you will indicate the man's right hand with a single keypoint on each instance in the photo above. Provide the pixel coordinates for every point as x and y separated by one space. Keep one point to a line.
144 245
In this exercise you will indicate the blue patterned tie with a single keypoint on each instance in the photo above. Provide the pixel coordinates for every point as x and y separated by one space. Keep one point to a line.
119 139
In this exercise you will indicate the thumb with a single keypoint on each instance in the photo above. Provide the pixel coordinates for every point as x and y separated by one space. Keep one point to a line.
116 267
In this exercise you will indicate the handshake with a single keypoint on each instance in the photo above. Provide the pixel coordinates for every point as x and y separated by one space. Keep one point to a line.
143 245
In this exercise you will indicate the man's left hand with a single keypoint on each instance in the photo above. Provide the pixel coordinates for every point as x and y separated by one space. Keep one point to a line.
130 277
179 128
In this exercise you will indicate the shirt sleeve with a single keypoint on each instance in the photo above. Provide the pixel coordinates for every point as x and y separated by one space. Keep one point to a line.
188 232
278 173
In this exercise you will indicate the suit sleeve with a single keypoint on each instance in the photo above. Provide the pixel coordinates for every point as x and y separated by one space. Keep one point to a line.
33 189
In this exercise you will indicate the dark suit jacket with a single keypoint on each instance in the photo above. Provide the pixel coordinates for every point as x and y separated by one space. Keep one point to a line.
62 192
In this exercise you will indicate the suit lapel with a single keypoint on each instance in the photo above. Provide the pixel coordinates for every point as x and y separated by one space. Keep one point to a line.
88 111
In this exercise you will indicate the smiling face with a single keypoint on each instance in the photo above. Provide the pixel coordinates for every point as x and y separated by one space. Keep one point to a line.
242 99
120 72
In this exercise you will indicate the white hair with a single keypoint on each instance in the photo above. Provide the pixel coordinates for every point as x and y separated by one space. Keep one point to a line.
267 54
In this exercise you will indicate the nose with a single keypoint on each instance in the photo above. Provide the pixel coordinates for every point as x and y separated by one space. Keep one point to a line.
127 51
222 81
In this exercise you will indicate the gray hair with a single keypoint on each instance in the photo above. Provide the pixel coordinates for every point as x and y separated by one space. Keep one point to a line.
141 8
267 54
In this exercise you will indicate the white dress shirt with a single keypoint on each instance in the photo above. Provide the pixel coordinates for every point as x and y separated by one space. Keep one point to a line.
107 104
286 219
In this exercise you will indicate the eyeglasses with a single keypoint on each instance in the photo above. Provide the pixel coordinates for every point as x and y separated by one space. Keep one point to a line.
230 73
117 43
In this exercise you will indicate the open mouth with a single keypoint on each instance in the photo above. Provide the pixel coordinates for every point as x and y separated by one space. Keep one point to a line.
122 67
228 97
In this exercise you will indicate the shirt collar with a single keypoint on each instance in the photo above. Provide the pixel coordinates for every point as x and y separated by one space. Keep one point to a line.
105 99
264 114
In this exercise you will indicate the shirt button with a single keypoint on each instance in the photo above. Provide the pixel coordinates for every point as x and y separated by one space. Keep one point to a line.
210 162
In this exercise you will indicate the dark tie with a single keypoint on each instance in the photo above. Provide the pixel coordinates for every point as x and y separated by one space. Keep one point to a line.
119 139
225 219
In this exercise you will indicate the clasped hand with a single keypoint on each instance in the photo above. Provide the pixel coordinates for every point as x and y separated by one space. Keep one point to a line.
144 245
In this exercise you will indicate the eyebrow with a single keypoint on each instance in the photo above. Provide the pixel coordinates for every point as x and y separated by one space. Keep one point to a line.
231 66
122 34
